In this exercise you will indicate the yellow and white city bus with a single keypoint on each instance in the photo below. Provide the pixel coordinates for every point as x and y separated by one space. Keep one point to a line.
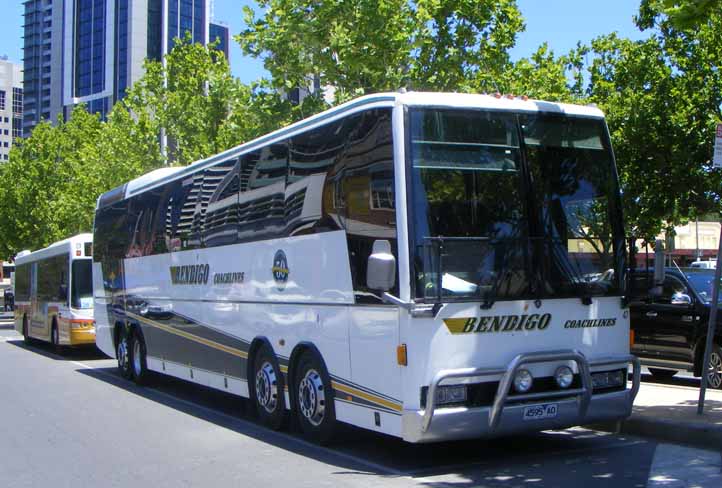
54 293
432 266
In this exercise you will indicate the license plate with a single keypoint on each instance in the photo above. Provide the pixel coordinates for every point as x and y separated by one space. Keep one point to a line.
537 412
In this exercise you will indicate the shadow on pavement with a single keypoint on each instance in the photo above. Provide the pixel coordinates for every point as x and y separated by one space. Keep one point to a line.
543 460
674 380
83 353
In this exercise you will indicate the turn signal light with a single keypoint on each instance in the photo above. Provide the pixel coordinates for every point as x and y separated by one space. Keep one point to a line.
401 357
631 338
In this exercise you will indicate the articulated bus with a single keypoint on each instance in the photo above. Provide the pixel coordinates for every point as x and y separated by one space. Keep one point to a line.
430 266
54 293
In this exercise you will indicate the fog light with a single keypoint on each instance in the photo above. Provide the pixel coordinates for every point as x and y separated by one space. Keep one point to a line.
608 379
450 394
523 381
564 376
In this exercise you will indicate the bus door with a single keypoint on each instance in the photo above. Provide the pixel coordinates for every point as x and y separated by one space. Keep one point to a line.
37 318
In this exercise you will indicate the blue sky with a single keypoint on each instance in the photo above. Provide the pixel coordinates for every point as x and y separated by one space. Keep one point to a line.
561 23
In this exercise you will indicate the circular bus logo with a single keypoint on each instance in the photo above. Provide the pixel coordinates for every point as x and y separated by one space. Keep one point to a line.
280 269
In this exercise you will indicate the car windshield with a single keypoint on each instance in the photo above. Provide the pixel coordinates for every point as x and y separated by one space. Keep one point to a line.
506 206
702 283
82 284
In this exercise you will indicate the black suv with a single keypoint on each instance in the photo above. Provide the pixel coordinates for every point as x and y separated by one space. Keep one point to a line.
670 328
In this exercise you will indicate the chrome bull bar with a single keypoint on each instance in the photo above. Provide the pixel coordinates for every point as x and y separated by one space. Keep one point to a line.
583 393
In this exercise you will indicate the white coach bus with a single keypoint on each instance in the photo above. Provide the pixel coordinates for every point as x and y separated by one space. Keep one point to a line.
430 266
54 293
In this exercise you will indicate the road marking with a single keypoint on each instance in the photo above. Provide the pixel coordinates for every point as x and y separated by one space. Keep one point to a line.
681 467
232 419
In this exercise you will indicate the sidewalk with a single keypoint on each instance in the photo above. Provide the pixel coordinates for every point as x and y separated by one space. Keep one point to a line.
669 412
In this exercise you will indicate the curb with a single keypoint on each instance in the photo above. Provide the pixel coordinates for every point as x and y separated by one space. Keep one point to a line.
700 435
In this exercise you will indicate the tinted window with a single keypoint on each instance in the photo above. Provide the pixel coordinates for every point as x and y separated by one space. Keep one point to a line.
671 286
261 205
111 237
53 279
218 207
366 196
22 282
146 220
313 159
82 284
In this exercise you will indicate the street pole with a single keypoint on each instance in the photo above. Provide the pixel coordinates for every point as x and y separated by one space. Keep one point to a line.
711 327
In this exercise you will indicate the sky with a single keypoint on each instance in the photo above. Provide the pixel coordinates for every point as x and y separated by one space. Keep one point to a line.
560 23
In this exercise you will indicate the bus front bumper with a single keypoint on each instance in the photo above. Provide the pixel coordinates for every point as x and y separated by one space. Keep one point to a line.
507 414
80 337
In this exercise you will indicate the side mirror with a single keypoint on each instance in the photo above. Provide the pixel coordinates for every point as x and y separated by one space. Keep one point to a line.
680 298
381 268
659 262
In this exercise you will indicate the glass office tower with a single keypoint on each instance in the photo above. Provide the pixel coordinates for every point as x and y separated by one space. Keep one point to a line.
91 51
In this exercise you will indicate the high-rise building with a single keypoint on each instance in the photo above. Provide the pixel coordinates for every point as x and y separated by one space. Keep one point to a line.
91 51
11 106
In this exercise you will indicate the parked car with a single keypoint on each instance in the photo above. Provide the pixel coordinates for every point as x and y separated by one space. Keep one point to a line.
712 264
669 326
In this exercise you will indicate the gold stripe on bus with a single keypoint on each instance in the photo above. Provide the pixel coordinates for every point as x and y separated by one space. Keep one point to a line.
192 337
366 396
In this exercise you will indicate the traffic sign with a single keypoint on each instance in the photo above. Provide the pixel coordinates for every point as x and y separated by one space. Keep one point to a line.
717 158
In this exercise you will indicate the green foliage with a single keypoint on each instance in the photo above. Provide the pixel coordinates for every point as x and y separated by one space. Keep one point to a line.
662 99
381 45
682 14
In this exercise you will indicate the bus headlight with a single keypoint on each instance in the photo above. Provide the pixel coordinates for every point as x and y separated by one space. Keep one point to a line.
523 381
564 376
450 394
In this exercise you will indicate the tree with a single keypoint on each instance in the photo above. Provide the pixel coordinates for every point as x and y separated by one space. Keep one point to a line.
381 45
662 98
683 14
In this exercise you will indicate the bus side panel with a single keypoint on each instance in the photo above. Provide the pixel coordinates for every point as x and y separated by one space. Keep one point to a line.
101 309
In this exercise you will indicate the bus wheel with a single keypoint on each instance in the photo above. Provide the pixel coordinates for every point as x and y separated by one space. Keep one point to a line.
122 353
268 392
314 399
55 339
138 357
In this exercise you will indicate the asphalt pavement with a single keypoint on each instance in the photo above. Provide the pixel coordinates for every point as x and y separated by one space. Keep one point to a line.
72 421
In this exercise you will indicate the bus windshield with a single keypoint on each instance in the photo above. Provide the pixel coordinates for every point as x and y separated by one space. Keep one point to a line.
82 284
510 206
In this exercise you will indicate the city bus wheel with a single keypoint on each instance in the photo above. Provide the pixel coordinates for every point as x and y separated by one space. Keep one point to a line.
138 358
122 353
55 339
314 399
714 374
268 391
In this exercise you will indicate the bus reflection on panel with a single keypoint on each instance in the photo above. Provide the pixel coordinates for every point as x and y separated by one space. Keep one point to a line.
54 293
431 266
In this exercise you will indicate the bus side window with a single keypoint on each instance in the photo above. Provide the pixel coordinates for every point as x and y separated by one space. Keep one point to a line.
261 205
368 189
312 170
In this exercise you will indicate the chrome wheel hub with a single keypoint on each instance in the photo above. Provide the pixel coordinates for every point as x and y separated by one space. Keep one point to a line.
136 358
267 387
312 397
123 353
714 375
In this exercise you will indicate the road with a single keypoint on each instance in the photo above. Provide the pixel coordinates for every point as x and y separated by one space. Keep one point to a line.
73 421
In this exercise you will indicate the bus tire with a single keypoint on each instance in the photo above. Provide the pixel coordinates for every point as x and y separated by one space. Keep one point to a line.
55 339
268 389
138 358
122 353
315 409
